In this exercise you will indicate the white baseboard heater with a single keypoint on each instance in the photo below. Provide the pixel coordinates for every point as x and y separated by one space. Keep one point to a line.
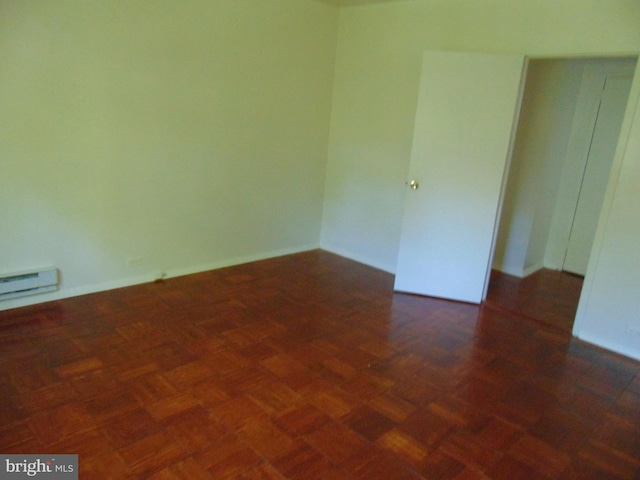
28 283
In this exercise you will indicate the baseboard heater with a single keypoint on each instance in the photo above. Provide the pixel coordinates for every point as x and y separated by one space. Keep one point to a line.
28 283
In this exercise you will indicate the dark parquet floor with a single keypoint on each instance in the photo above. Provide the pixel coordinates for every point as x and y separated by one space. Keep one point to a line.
309 367
547 296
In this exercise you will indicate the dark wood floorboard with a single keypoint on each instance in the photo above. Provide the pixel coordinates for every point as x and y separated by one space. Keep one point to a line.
309 367
547 296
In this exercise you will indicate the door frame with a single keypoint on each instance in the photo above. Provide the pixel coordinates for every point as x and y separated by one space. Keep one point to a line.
505 175
631 110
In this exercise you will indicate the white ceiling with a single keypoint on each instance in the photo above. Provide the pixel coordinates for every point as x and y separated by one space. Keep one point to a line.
344 3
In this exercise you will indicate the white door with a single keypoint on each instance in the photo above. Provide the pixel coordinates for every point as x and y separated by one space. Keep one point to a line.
465 119
604 141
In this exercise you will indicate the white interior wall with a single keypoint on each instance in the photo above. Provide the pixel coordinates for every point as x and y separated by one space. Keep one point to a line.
558 112
546 116
563 100
151 136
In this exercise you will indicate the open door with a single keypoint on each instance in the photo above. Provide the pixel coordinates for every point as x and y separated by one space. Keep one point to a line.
466 115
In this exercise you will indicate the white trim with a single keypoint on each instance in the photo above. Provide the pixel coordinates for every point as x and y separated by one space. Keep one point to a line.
359 258
508 270
532 269
149 277
611 346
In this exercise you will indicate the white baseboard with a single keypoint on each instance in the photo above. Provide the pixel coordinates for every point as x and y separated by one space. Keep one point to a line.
517 272
532 269
147 278
611 346
359 258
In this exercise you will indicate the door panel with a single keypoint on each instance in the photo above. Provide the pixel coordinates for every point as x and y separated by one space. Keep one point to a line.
462 139
604 141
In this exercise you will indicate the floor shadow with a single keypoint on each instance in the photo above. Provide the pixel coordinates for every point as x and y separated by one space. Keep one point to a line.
547 296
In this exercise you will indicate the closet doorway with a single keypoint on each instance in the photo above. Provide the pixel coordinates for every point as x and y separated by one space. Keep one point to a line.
568 130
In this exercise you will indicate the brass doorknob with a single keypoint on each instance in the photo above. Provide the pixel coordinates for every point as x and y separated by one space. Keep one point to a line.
413 184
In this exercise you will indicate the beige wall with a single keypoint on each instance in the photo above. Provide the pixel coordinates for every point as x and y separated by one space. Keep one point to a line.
146 136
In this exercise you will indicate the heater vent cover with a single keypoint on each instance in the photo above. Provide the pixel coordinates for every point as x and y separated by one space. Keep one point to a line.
28 283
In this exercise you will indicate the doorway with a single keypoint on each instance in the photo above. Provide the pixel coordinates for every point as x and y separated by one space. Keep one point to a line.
560 108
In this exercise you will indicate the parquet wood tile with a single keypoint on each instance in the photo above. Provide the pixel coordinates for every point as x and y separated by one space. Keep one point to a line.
308 366
547 296
337 442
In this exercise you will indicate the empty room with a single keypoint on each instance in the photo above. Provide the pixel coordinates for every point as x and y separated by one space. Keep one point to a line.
251 239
